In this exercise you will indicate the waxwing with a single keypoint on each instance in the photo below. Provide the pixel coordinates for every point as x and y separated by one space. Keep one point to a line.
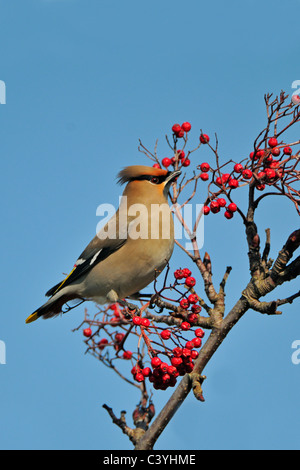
128 252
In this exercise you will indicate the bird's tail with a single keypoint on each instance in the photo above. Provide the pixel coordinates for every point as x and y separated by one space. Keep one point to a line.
43 310
48 310
54 305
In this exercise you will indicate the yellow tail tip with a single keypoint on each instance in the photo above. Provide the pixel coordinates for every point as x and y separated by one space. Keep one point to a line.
32 317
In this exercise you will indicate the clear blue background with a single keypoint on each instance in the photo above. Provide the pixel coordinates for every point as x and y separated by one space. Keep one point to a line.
85 80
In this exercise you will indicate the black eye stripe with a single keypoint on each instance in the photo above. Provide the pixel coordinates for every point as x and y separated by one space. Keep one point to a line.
158 179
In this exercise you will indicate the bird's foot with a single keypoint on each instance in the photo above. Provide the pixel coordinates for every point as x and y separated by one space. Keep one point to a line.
128 305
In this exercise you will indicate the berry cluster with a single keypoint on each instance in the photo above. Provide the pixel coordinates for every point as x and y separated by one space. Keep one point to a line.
219 203
180 159
264 167
259 170
177 352
180 130
163 375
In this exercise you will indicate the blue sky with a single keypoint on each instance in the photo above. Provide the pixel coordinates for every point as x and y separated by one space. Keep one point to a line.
84 81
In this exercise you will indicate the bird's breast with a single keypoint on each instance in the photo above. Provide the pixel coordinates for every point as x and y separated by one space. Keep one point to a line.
150 222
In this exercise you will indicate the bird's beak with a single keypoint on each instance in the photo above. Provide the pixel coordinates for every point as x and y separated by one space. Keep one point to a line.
171 176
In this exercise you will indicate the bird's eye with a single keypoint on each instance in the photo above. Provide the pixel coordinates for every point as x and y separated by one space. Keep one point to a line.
154 180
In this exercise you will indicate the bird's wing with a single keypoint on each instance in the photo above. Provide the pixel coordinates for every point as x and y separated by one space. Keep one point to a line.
96 251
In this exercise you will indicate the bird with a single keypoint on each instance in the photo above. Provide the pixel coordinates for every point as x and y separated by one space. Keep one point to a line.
128 253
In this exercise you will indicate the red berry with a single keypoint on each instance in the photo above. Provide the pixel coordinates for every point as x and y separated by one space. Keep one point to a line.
184 303
287 151
274 165
219 181
189 367
296 99
186 162
176 128
190 281
260 187
225 177
135 370
189 345
197 342
146 371
181 154
156 165
165 334
270 173
127 355
206 210
165 378
260 153
233 183
214 207
204 167
102 343
196 308
136 320
178 274
139 377
199 332
253 156
276 152
247 174
166 162
186 352
261 174
185 325
186 126
186 272
164 366
269 159
155 361
273 142
177 351
194 354
228 214
172 370
113 307
119 337
204 176
180 133
232 207
193 317
87 332
238 168
204 139
221 201
145 322
193 298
